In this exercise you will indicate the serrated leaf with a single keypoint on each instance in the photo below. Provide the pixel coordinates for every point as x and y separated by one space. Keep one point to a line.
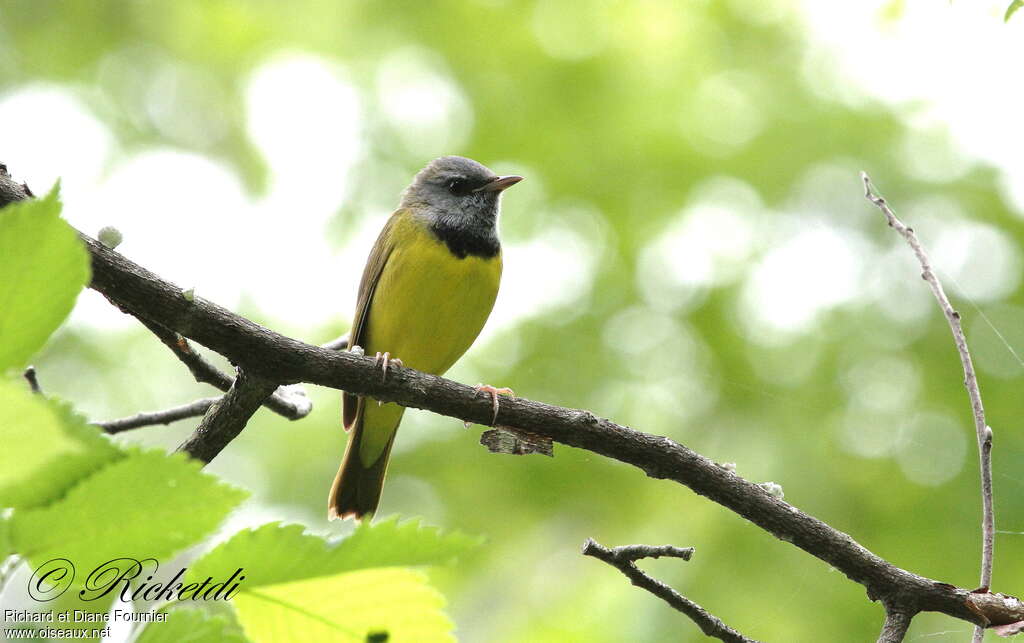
44 268
145 505
47 448
393 543
272 553
1012 9
347 607
192 625
276 553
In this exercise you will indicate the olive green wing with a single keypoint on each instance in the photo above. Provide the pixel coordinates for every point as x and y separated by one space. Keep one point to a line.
367 285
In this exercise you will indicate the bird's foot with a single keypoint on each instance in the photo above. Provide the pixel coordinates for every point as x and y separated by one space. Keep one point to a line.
385 360
358 350
494 392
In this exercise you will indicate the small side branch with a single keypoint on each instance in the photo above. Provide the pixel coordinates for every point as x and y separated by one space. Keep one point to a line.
981 428
624 559
289 403
897 622
150 418
633 553
227 416
339 344
33 381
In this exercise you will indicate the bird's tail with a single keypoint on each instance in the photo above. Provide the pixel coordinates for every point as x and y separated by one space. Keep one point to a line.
357 487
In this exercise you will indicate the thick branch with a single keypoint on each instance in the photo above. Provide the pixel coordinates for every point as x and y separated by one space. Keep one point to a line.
897 623
282 359
623 559
228 416
285 360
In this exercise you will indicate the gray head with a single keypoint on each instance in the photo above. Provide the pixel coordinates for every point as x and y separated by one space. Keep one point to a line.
459 197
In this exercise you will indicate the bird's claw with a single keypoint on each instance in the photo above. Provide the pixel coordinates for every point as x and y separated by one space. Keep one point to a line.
384 361
494 392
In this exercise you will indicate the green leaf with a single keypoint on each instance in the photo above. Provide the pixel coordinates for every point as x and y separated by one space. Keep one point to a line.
347 607
1012 9
47 448
300 587
393 543
269 554
70 602
274 553
146 505
192 625
44 268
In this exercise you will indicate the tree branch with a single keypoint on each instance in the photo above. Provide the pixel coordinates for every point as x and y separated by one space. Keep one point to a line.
33 380
981 428
624 559
283 359
228 416
260 351
150 418
289 404
633 553
339 344
10 190
897 623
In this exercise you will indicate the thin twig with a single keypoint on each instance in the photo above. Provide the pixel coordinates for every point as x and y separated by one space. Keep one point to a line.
897 622
289 402
33 381
144 418
633 553
339 344
624 559
166 416
982 430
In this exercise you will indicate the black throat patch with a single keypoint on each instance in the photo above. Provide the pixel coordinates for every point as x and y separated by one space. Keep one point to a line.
465 241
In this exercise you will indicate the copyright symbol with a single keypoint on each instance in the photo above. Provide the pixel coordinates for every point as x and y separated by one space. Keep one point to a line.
51 579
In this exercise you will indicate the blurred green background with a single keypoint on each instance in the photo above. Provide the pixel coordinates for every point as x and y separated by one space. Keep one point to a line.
691 255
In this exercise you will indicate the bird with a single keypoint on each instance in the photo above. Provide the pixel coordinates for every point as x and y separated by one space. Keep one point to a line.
426 292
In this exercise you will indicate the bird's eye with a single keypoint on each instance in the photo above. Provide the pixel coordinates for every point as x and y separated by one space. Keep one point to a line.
458 186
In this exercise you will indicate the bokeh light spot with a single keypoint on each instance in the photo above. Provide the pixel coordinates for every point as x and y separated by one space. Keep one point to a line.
425 106
814 270
933 449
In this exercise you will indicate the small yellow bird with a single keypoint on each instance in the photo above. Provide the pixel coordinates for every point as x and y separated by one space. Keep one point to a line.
428 287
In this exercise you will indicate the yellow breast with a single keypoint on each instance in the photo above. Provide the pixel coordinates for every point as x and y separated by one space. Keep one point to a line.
429 305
